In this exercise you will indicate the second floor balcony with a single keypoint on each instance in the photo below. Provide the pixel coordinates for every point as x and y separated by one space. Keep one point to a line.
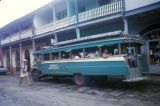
6 40
97 12
15 37
26 33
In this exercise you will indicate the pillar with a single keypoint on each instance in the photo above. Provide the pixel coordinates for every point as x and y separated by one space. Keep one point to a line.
20 52
77 32
10 54
125 21
119 49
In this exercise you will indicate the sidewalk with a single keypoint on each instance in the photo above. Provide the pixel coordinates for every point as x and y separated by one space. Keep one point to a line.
152 78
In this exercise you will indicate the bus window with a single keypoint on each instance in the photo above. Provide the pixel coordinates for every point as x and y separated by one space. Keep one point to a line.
77 54
55 56
37 57
92 52
46 57
65 55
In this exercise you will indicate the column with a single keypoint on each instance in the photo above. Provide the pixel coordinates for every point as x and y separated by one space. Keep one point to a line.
125 21
10 54
20 52
68 8
56 40
76 8
119 49
100 51
148 52
77 33
54 15
33 45
1 56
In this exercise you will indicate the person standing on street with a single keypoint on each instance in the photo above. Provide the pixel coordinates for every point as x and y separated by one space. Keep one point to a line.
24 73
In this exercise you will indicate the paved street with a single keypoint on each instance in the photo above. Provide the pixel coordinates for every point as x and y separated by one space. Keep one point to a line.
65 93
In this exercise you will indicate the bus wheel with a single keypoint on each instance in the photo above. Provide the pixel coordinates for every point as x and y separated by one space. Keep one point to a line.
80 80
35 75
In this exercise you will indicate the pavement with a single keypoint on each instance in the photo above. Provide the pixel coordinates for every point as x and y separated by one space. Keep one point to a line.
64 93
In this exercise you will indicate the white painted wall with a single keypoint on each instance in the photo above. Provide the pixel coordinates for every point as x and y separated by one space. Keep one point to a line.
134 4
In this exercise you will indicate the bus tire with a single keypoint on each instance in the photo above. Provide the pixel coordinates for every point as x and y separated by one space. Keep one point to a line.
80 79
35 75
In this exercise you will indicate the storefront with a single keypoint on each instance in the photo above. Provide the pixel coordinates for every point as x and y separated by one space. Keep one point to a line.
153 50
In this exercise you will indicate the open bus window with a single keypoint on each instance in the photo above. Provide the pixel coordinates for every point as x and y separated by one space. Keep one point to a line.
37 57
46 57
55 56
65 55
76 54
116 52
92 52
108 50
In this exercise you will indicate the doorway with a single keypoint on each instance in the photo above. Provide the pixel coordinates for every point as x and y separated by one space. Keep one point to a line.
17 60
27 57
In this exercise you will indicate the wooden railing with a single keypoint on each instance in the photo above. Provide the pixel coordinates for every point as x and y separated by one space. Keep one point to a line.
5 41
65 22
107 9
15 37
45 28
26 33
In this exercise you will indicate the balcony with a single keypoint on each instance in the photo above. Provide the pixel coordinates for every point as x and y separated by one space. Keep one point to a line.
5 41
15 37
26 33
108 9
44 29
65 22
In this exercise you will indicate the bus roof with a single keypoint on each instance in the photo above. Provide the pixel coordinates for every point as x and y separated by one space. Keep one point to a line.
82 45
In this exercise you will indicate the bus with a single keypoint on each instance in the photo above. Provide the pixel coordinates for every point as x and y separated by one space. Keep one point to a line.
93 59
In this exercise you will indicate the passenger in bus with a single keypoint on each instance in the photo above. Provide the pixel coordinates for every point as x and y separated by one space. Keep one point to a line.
91 55
105 53
75 56
81 54
97 53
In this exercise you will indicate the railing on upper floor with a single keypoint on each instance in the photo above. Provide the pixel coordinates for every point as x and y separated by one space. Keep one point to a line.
107 9
44 29
26 33
65 22
15 37
5 40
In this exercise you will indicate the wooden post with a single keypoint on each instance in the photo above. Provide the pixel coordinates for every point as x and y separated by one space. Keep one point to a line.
10 54
119 49
84 53
59 55
100 51
20 52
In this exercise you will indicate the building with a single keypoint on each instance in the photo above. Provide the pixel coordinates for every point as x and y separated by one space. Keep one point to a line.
71 21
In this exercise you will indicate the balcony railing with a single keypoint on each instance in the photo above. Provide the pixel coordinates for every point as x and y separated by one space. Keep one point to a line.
15 37
104 10
65 22
26 33
5 41
108 9
44 29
